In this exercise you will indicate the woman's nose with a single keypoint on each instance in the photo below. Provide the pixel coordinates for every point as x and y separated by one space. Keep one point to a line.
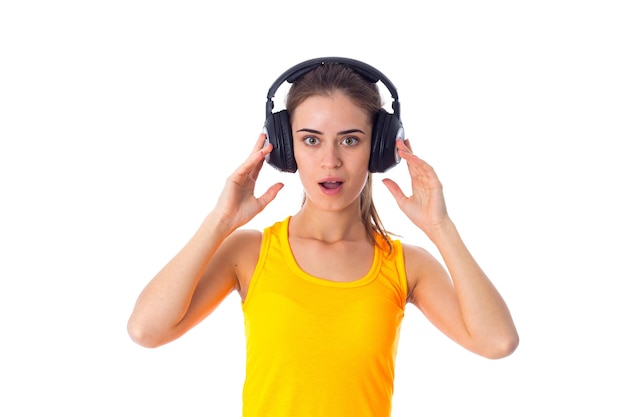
331 157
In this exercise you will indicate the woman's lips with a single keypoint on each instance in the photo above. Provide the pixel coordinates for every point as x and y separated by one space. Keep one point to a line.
331 184
331 187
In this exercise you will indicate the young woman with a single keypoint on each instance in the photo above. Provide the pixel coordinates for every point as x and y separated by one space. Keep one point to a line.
323 292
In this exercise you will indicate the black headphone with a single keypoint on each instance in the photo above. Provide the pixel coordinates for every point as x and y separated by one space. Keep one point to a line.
387 126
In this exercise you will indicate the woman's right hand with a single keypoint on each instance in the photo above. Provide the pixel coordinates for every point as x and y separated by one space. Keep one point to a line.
237 204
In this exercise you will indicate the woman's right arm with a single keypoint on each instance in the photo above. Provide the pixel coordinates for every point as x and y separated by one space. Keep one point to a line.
203 273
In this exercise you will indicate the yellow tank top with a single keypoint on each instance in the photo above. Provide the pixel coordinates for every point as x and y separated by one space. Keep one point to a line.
317 347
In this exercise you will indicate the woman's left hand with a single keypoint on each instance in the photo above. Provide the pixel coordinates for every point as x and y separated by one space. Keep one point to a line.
426 206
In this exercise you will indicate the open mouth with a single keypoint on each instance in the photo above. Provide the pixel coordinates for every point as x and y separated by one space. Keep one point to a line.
331 185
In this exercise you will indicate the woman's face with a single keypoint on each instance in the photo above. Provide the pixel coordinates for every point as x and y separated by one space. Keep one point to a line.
332 142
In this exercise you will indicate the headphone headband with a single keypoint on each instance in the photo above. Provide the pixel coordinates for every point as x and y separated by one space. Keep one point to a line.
368 72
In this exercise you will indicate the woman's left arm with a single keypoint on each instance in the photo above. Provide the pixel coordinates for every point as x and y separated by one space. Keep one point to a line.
467 307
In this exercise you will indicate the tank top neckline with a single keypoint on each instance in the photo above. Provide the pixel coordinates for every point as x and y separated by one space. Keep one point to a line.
293 264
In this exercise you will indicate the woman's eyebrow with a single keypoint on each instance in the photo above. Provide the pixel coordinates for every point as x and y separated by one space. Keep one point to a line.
343 132
347 132
317 132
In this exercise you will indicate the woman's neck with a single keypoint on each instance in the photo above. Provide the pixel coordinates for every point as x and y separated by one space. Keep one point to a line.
328 226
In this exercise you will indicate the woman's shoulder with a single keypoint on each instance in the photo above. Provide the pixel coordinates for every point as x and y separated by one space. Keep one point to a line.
244 245
416 258
249 241
419 264
245 240
414 252
239 249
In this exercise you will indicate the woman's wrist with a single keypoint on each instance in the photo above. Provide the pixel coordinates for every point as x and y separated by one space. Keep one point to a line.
442 230
220 224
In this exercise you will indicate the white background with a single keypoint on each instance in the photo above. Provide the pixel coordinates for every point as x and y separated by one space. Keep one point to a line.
120 120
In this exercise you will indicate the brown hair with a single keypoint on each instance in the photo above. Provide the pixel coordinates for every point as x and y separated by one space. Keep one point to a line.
326 79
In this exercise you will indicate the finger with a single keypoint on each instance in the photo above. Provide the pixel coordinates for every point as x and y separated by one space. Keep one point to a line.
415 163
260 151
270 195
259 144
404 149
395 190
407 143
423 175
252 165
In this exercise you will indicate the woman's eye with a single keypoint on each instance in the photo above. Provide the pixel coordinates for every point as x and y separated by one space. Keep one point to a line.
311 140
350 141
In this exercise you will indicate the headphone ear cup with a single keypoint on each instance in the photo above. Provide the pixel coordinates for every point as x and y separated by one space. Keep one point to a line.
279 135
387 128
